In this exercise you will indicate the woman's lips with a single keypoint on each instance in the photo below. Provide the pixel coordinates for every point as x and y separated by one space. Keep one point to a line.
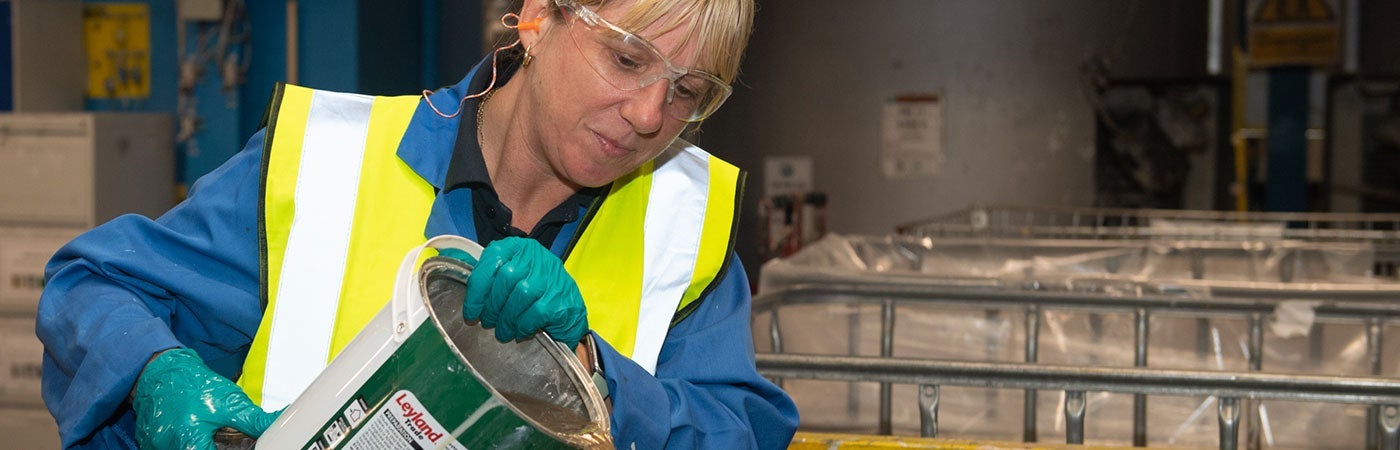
611 148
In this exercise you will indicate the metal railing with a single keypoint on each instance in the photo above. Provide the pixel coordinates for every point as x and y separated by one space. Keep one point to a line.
1113 223
1231 387
1302 268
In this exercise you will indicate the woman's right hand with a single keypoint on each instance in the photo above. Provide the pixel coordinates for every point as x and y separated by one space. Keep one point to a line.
519 287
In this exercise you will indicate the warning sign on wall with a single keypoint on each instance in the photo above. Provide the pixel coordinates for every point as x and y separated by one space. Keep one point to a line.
911 137
1294 32
118 41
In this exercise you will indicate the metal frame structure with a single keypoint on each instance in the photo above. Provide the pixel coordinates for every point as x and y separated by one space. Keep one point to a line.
1111 223
1233 388
1199 236
1195 254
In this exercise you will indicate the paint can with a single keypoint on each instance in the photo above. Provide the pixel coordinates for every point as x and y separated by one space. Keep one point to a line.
419 376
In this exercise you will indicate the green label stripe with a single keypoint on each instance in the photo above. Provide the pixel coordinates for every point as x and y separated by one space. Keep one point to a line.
426 367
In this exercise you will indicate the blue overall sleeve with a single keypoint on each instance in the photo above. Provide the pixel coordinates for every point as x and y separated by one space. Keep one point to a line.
706 392
132 287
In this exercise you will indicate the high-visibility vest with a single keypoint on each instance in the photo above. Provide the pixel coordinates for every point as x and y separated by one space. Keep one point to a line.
340 210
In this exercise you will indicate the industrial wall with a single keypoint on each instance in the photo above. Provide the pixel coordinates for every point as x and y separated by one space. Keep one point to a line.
366 46
1018 128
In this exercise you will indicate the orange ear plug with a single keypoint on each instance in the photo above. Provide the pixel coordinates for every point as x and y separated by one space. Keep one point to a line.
531 25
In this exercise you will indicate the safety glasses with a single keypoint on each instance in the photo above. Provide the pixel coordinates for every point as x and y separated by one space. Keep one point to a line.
628 62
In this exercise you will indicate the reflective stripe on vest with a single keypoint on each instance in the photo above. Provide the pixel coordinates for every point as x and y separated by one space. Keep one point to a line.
688 198
341 274
333 213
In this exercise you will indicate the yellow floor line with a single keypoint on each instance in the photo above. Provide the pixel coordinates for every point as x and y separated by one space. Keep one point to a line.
826 441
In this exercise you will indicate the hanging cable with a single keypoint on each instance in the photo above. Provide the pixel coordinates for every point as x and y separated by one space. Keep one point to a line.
509 20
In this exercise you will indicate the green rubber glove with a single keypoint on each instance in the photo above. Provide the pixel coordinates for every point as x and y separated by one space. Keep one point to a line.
520 288
180 402
461 255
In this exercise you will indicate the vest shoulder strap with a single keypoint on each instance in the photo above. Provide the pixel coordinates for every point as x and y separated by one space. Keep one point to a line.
331 175
683 205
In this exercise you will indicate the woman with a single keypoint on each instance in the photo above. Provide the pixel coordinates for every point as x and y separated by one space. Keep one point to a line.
568 148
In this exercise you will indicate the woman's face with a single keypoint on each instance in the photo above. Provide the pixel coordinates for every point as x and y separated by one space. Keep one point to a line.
589 132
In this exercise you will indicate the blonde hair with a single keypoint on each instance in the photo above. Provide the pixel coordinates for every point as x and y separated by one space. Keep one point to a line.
720 27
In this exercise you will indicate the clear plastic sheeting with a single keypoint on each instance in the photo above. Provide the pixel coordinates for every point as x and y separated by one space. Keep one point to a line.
1119 223
1236 268
1291 278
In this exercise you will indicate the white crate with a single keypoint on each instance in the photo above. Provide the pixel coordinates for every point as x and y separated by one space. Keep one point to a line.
21 358
28 428
82 169
24 251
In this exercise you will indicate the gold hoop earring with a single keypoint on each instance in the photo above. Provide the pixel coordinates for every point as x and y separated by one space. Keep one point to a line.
526 61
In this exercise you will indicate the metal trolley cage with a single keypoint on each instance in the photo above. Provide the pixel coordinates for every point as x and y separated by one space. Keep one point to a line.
1245 265
1114 223
1197 236
1203 261
1239 392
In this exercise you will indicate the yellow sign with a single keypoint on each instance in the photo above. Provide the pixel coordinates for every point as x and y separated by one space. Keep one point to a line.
1294 33
118 41
1282 11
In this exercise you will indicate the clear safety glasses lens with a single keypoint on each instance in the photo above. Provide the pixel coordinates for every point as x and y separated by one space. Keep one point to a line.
628 62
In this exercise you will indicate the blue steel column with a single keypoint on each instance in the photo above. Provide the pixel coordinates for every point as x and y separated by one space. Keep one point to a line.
7 81
268 67
329 56
1286 189
431 10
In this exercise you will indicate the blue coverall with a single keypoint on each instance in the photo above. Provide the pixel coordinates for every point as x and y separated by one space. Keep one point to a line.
133 287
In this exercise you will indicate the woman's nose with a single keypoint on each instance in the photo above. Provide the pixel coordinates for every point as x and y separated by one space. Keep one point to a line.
645 110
